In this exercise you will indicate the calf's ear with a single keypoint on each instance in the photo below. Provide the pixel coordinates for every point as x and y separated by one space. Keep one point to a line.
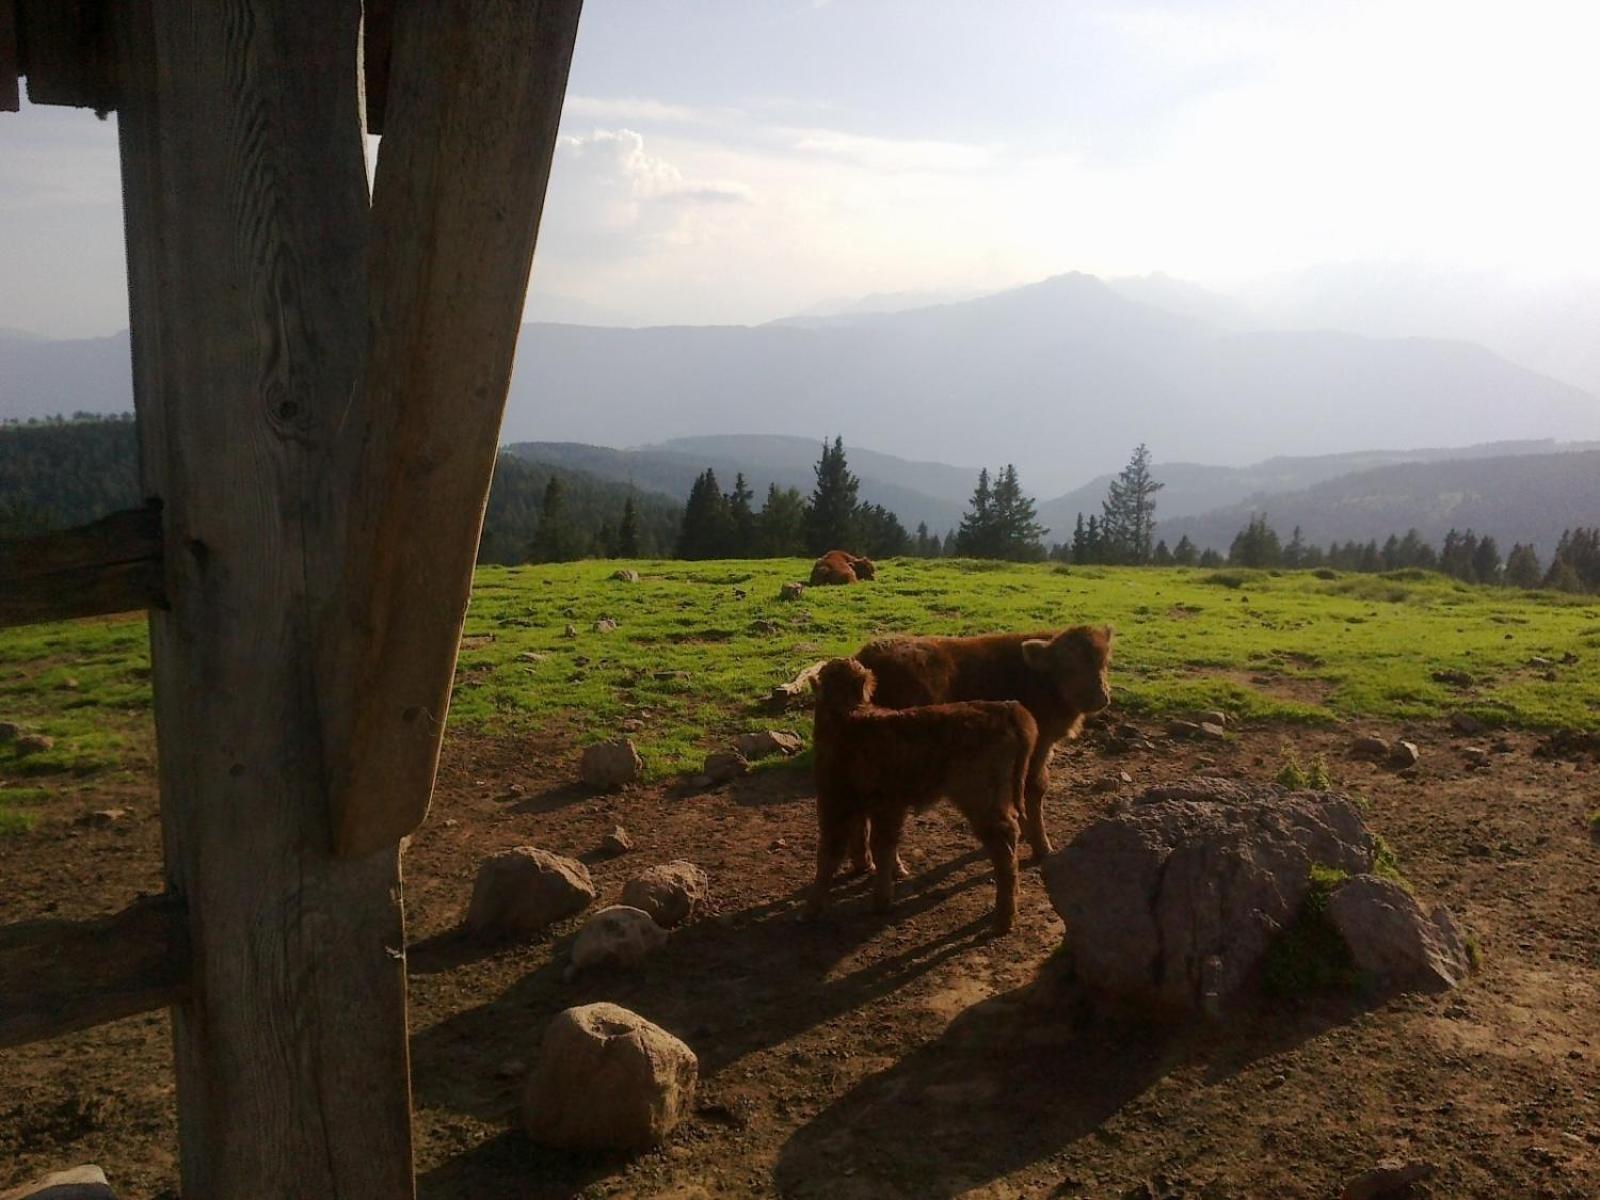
1036 653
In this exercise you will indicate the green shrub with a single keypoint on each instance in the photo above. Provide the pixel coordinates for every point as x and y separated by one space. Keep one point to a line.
1310 956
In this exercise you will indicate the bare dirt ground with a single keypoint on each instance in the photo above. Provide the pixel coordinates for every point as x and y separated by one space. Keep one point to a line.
911 1055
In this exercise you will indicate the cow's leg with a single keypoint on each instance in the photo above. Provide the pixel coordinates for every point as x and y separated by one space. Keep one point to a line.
886 829
1000 836
1033 797
833 837
860 851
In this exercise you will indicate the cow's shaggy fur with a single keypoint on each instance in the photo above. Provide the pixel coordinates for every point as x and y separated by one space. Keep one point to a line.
1058 677
840 566
875 765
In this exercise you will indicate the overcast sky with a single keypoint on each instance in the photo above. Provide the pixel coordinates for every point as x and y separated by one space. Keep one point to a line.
739 160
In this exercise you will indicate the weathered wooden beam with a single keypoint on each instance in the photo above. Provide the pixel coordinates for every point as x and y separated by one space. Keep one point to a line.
61 976
64 49
377 45
10 64
246 208
113 565
474 100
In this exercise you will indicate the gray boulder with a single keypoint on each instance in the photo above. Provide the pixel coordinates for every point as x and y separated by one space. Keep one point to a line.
607 1079
611 764
525 890
1391 937
1171 901
767 743
670 893
618 936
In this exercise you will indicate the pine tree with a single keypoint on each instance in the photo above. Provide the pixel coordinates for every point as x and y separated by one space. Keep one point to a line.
1522 567
1162 556
1486 561
1256 545
949 549
1184 554
741 520
552 540
707 524
1016 533
976 538
1093 543
1128 519
1080 542
879 532
830 517
781 524
628 531
1211 559
1294 554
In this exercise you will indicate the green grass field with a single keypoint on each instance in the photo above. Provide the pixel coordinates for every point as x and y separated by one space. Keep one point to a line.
696 656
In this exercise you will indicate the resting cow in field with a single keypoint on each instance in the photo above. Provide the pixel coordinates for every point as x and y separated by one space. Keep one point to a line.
1059 677
876 765
840 566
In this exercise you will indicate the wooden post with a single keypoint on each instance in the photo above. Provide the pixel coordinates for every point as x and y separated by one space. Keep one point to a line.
246 212
473 101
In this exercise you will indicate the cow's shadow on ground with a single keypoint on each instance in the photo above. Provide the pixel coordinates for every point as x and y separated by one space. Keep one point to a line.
1013 1081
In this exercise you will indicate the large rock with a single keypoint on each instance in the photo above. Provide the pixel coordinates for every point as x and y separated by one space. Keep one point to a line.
607 1079
87 1182
768 742
618 936
724 765
611 764
670 893
1391 937
1171 901
525 890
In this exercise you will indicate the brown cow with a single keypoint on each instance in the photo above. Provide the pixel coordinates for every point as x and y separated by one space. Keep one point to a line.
1059 677
877 764
840 566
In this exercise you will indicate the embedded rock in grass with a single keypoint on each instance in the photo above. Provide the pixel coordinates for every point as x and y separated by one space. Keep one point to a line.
87 1182
768 742
607 1079
725 765
1172 901
9 732
619 936
1392 938
525 890
605 625
625 575
611 764
791 591
34 743
670 893
1182 729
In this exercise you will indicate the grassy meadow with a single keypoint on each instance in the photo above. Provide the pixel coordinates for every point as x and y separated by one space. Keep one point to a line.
697 645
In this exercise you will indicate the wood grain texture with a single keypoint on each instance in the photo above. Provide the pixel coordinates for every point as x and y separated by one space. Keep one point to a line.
10 63
61 976
377 44
110 566
245 204
474 99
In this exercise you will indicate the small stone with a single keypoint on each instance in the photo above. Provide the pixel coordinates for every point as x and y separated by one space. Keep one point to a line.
532 656
1182 729
619 936
1404 754
768 742
611 764
725 765
1476 756
616 842
1210 716
1538 660
9 732
1370 746
1212 732
1127 732
1465 723
512 1068
765 627
87 1182
607 1079
34 743
666 676
791 591
1391 1179
102 817
571 631
625 575
523 891
778 844
605 625
670 893
1458 679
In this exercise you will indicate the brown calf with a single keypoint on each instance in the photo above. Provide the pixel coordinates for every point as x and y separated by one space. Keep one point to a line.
840 566
876 765
1058 677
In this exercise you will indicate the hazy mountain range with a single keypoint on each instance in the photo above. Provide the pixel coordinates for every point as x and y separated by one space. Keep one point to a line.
1061 377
